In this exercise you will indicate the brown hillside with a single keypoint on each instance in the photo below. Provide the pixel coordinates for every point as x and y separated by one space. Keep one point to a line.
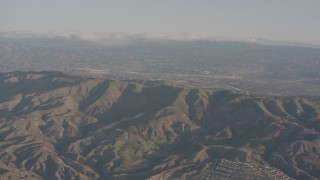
55 126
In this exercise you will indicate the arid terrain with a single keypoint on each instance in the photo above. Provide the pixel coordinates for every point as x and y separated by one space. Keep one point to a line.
58 126
159 90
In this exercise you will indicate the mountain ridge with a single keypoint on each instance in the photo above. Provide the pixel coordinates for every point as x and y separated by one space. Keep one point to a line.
59 126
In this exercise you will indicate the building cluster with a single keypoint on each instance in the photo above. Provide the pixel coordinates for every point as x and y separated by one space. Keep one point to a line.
225 169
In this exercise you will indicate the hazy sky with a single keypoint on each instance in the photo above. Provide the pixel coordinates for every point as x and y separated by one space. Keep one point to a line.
297 20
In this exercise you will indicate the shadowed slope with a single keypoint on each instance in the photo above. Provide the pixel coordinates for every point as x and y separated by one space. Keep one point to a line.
64 127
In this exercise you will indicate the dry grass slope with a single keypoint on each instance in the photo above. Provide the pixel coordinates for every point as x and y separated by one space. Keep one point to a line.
55 126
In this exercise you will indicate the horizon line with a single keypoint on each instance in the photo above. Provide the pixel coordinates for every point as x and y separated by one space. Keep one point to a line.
183 36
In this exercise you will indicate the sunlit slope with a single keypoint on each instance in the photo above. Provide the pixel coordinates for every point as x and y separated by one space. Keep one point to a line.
54 126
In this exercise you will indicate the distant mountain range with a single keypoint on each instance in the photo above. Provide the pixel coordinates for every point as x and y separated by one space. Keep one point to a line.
57 126
149 36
